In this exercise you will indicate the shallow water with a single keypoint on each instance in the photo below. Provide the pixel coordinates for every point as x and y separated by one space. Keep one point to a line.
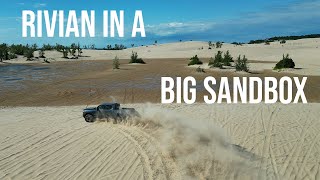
13 77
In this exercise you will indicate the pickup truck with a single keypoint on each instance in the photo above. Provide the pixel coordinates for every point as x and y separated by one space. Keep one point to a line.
109 111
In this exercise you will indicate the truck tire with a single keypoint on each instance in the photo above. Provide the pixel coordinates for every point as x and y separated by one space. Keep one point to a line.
89 118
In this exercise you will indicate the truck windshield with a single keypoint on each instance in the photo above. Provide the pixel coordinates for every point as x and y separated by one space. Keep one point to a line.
117 106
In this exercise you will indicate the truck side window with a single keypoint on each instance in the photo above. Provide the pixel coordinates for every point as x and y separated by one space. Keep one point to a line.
108 107
105 107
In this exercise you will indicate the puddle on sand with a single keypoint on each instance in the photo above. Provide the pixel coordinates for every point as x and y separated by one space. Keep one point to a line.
12 77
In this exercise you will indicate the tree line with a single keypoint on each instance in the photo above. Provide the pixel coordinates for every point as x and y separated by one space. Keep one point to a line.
283 38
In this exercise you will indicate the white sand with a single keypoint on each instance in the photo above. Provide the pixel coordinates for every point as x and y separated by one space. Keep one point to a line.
280 141
305 53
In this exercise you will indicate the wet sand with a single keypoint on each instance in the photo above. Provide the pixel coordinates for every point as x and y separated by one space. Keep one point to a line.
93 82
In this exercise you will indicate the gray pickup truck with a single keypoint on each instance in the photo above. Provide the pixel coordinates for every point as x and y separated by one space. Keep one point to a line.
109 111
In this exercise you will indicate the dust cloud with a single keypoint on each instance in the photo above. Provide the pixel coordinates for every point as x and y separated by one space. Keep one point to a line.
200 149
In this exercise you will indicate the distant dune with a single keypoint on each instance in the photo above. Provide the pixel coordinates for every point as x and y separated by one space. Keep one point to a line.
305 53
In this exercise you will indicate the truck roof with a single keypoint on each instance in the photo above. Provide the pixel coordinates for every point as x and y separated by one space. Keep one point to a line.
109 104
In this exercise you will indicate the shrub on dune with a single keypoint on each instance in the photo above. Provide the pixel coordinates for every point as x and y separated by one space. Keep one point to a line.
12 55
242 64
286 62
283 41
195 61
217 61
135 59
116 64
29 54
227 59
41 53
4 52
219 44
65 52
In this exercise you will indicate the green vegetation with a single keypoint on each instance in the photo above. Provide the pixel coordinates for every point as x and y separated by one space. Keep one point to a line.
195 60
135 59
47 47
116 47
41 53
29 54
227 59
220 61
12 56
219 44
73 49
116 64
283 41
19 49
210 44
280 38
90 46
237 43
286 62
65 53
242 64
4 53
76 48
217 61
10 52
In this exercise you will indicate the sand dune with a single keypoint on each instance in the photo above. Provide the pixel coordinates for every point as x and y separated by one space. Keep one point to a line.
305 53
216 142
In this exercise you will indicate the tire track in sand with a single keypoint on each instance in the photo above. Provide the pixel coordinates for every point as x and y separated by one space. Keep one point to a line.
171 170
148 172
291 158
266 146
155 165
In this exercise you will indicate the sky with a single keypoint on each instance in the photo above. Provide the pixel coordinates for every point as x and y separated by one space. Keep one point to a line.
174 20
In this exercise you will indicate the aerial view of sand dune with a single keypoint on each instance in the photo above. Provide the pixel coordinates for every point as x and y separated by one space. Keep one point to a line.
168 142
44 136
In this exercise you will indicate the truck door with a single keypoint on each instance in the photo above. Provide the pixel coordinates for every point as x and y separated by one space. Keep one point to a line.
105 111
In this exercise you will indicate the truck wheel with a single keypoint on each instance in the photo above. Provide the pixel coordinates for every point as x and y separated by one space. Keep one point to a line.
89 118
